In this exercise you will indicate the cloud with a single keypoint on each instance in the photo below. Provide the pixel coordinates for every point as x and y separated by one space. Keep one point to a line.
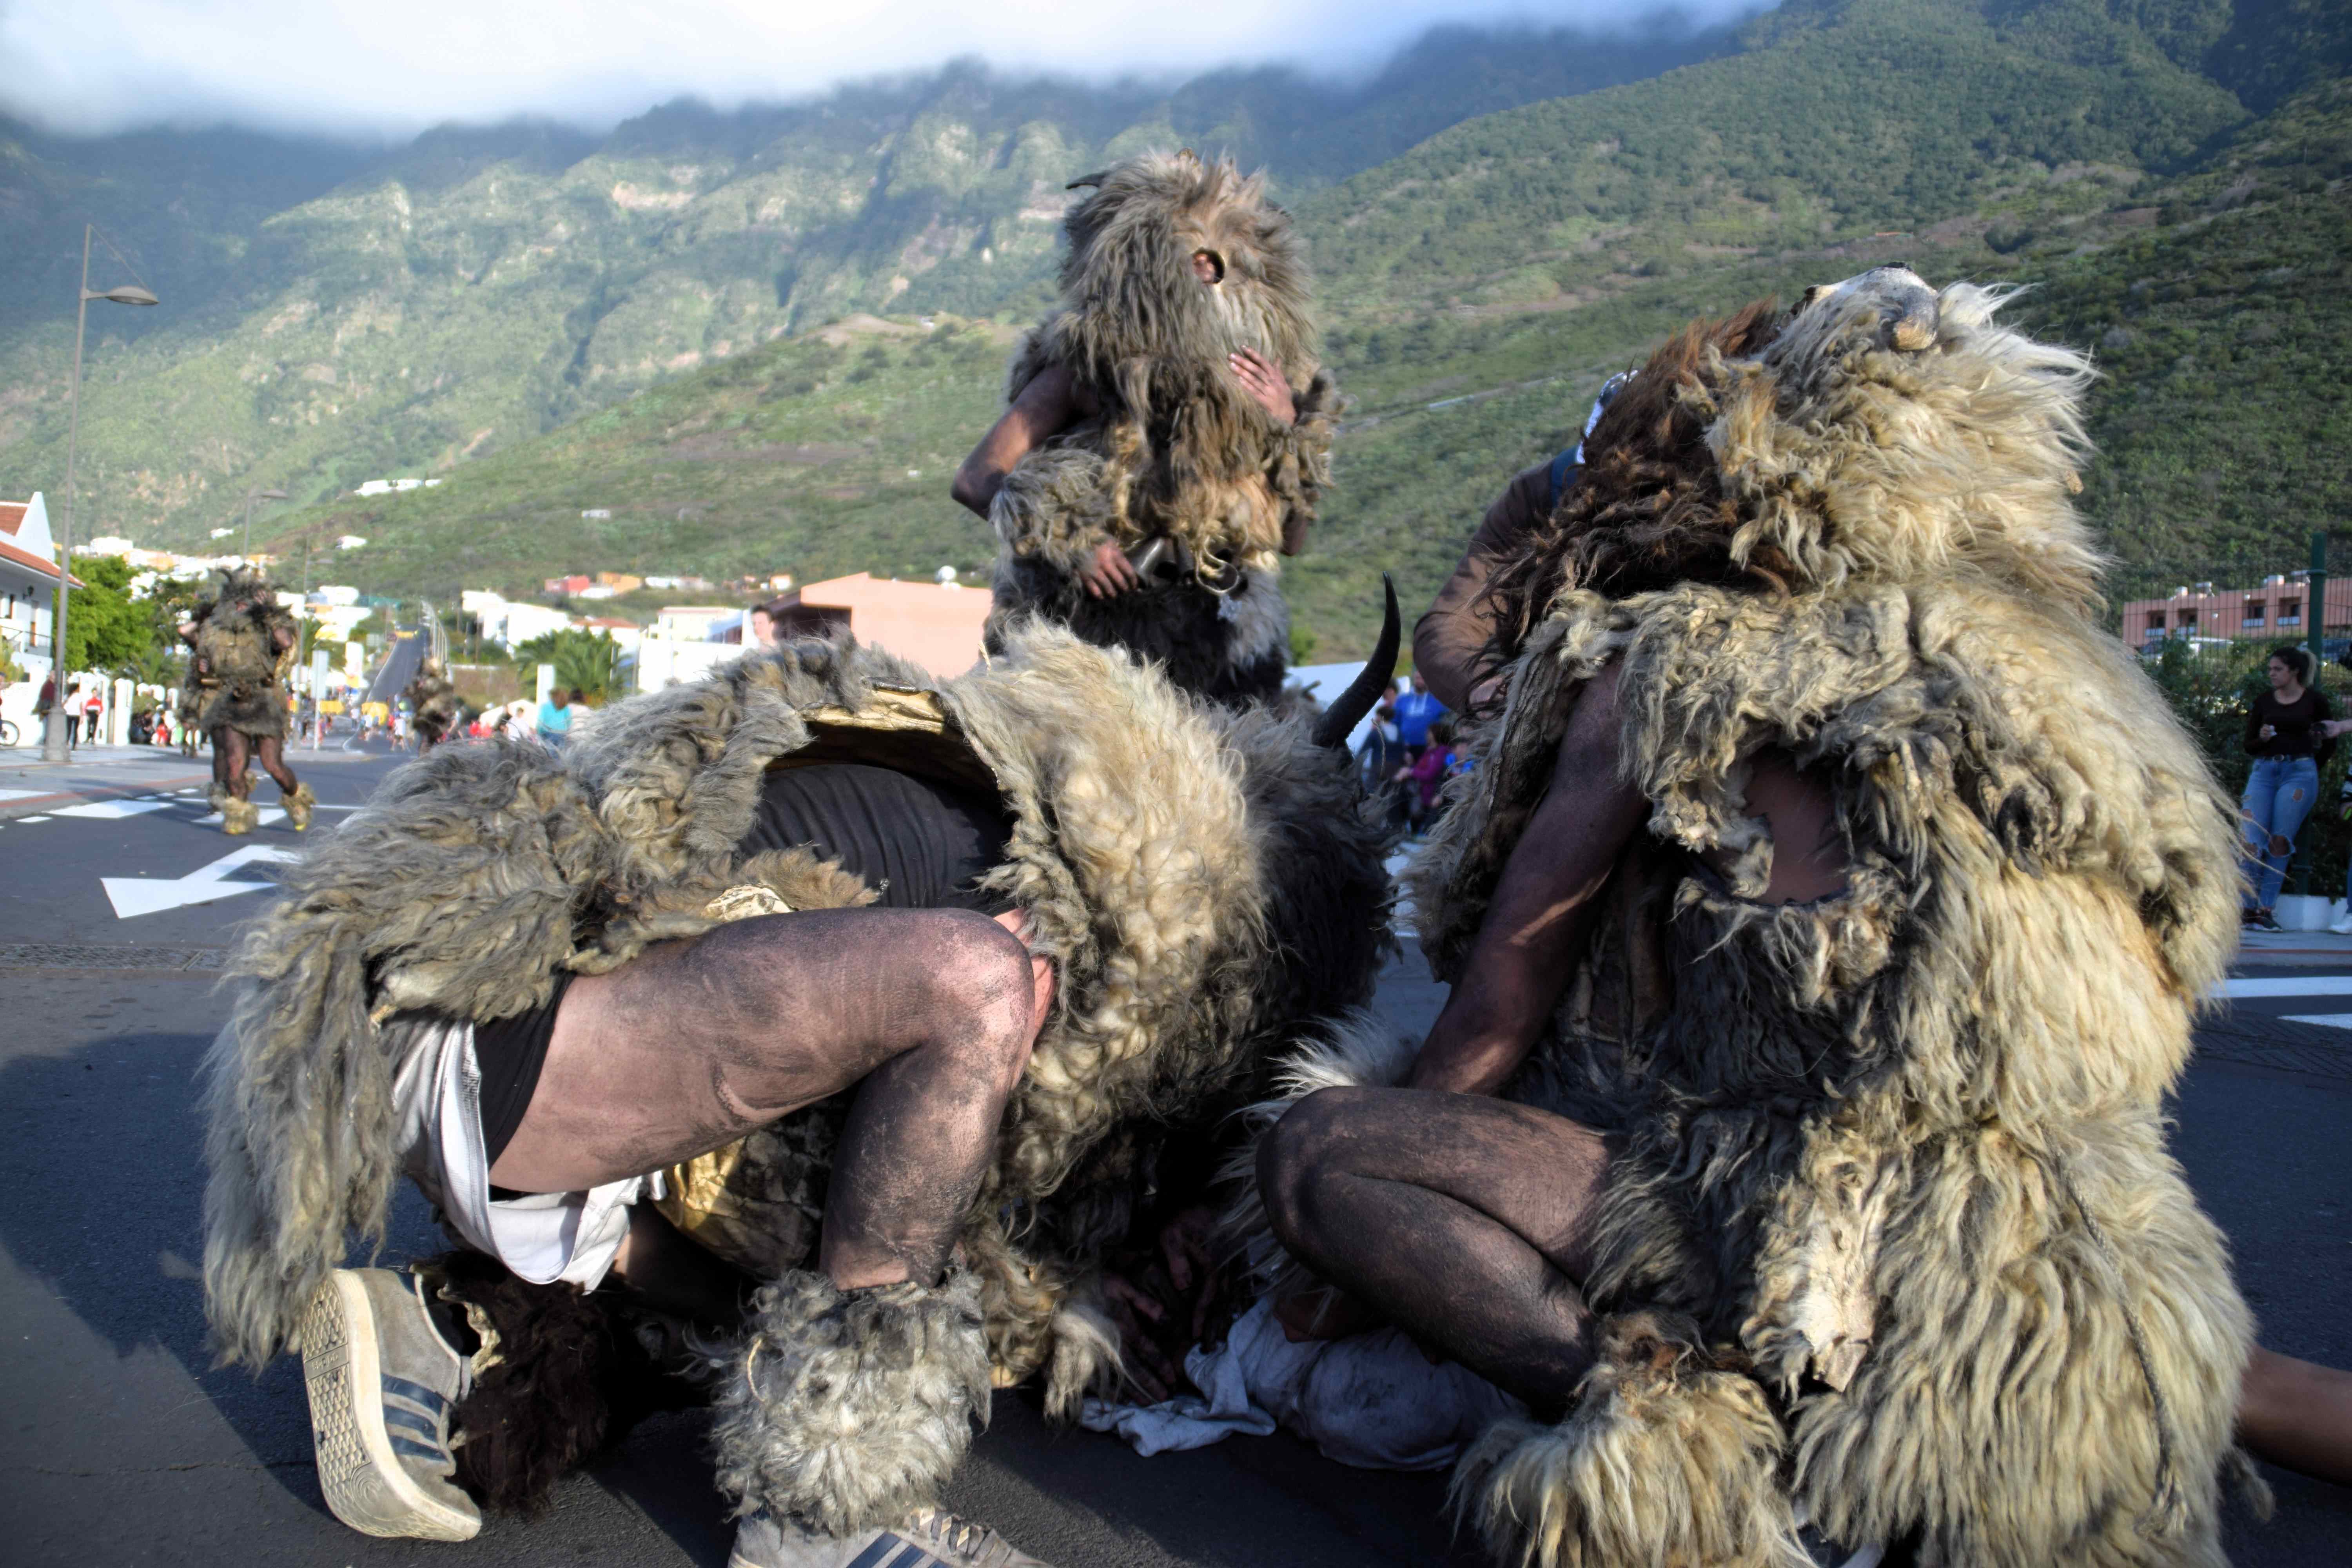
367 68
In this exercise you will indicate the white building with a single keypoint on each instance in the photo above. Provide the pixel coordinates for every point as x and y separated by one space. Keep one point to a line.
507 624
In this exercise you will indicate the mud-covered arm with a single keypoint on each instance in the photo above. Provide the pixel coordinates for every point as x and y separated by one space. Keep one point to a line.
1545 904
1450 642
1051 402
1300 468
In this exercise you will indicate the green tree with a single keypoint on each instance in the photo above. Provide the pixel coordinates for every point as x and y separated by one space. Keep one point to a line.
106 628
587 662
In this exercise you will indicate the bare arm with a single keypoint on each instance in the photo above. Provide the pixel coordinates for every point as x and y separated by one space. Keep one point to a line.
1543 908
1050 404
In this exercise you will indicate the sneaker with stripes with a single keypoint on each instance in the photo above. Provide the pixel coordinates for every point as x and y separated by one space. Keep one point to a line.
383 1383
929 1539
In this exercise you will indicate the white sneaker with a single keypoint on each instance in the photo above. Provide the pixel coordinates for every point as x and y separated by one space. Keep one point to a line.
381 1384
929 1539
2342 927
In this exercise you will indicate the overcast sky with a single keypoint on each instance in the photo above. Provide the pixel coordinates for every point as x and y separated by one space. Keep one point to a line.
389 68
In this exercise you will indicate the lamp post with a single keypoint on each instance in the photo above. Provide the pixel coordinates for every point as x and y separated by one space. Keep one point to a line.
250 497
53 738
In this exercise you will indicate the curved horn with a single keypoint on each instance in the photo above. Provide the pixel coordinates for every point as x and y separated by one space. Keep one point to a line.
1332 728
1085 182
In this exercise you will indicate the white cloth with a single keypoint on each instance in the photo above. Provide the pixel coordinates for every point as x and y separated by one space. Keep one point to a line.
544 1236
1372 1400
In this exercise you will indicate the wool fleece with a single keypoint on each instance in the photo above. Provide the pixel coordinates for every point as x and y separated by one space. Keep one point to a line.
1179 451
1201 879
1894 1244
238 672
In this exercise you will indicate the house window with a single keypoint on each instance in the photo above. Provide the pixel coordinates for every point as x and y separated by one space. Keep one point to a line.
2290 612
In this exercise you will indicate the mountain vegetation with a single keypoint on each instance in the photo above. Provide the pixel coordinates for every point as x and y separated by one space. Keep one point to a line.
762 341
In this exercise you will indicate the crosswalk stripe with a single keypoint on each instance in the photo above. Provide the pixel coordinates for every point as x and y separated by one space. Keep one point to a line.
2326 1020
2251 990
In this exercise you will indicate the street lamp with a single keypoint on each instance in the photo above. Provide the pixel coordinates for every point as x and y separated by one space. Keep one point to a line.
53 739
250 497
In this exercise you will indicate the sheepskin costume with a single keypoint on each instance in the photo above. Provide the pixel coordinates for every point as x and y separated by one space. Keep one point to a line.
1894 1244
1201 879
237 668
433 703
1180 449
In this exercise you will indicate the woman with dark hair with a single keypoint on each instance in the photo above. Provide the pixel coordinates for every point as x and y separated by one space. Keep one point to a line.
2288 728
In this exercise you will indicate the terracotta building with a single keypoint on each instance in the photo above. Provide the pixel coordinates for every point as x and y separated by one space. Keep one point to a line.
2276 609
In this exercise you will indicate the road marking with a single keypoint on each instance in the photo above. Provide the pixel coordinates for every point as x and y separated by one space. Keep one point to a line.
2326 1020
32 819
134 896
2243 990
24 794
109 810
270 814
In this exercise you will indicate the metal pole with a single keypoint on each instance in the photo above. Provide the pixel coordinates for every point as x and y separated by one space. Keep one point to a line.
245 546
2315 607
53 739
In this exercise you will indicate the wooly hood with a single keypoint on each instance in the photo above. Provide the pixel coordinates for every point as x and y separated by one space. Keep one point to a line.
1127 289
1891 433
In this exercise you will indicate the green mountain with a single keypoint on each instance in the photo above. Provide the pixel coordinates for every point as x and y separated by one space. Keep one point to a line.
332 316
2169 175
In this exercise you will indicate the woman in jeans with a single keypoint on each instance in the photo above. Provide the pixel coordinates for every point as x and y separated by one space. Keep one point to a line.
2286 730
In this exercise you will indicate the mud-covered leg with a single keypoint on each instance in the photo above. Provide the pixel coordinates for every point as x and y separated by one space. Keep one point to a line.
270 751
1462 1218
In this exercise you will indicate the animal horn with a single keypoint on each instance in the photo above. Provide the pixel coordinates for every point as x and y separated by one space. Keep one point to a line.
1332 728
1088 182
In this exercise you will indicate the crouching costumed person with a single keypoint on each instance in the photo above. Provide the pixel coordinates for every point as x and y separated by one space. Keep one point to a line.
433 705
846 1014
242 643
1170 430
1825 920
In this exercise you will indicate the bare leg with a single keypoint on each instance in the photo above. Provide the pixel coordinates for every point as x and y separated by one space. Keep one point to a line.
2297 1414
693 1044
229 761
270 751
1465 1219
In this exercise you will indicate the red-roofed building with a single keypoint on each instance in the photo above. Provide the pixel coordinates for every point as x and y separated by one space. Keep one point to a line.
936 624
29 580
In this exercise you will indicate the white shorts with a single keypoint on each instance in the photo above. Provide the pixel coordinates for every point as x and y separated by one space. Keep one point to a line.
544 1236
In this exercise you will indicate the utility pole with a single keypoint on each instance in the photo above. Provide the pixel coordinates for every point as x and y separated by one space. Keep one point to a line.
53 738
2314 609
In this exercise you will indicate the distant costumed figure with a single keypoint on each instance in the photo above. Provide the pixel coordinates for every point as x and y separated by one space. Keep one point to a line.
433 705
1170 430
1827 917
242 644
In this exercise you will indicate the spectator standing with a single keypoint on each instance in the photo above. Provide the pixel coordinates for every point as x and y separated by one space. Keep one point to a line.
1415 711
72 705
574 711
556 717
93 709
2289 732
1427 773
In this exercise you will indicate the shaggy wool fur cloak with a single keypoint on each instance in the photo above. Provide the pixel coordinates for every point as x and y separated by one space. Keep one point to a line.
433 703
1180 449
238 669
1201 877
1894 1243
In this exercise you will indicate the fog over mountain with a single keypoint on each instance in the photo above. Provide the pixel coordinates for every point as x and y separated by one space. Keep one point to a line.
372 72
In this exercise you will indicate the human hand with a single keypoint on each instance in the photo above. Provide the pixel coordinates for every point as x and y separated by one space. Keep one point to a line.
1109 574
1140 1319
1262 379
2266 732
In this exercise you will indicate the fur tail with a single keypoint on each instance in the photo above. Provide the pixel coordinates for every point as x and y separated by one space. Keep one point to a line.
1667 1459
848 1409
1356 1049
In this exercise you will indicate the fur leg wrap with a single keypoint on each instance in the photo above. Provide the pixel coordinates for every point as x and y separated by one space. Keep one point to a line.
558 1380
849 1408
299 804
239 816
1668 1458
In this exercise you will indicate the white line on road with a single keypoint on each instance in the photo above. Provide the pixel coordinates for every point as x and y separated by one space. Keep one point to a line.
2329 1020
110 810
133 896
2244 990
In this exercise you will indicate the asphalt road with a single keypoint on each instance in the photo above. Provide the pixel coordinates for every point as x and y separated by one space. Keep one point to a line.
120 1446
